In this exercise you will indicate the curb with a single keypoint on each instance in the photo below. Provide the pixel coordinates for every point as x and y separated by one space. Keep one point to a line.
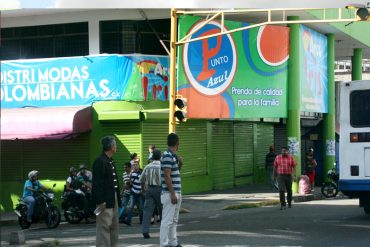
251 205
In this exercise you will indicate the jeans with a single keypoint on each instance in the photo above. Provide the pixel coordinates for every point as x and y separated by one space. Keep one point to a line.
125 202
170 218
30 201
285 183
152 200
135 199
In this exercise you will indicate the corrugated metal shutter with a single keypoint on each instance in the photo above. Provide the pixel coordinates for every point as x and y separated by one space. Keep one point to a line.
193 147
128 136
280 137
222 154
54 157
264 134
243 152
11 161
154 133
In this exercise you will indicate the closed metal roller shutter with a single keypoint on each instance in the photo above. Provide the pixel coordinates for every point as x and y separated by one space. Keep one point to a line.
193 147
280 137
243 152
11 161
222 154
154 133
53 158
128 141
264 138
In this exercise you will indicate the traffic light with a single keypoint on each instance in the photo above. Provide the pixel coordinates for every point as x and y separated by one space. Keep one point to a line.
362 11
180 109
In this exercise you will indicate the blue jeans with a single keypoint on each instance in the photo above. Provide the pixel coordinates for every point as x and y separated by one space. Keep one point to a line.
30 201
135 199
124 204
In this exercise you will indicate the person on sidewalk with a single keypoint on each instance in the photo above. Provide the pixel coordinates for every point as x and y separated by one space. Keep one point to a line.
105 191
269 164
125 193
151 185
284 168
310 166
136 196
171 192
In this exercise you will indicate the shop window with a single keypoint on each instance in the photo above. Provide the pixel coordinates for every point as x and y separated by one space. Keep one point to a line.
59 40
125 37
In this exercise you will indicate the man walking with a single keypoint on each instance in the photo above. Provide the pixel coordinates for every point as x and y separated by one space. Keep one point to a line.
284 167
151 185
171 193
105 192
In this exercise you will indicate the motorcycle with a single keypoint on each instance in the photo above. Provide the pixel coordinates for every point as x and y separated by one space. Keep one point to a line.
44 210
330 189
72 211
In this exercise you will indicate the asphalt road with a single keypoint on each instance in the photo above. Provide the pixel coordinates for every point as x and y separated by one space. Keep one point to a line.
336 222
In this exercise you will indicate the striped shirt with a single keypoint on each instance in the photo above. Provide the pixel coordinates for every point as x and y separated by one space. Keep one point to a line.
284 165
126 178
135 181
152 174
169 160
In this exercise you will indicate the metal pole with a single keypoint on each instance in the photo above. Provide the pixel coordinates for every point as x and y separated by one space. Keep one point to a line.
173 48
329 118
357 64
294 98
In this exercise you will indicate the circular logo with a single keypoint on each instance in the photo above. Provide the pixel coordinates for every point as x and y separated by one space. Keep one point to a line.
271 45
210 64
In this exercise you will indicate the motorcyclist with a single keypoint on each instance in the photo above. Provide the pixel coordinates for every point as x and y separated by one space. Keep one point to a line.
31 186
86 183
84 179
74 192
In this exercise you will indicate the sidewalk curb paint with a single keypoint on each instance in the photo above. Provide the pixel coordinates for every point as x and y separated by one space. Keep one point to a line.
251 205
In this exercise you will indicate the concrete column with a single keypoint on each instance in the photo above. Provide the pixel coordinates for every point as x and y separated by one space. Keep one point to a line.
94 37
329 118
294 98
357 64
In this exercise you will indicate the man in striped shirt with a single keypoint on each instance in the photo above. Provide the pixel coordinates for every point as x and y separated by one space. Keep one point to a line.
136 197
151 185
284 167
171 193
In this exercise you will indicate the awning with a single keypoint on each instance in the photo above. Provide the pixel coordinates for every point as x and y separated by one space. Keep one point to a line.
44 123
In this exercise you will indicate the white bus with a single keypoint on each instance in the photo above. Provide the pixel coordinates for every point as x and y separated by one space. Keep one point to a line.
354 144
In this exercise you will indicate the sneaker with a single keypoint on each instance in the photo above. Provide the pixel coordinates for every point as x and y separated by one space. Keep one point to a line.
146 235
282 207
289 205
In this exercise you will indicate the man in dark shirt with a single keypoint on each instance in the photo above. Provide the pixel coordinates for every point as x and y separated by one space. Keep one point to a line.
105 192
269 164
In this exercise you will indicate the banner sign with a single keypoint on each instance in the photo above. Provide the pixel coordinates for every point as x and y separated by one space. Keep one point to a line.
76 81
314 71
233 76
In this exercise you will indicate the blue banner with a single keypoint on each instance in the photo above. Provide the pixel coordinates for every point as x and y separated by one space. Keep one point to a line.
314 71
76 81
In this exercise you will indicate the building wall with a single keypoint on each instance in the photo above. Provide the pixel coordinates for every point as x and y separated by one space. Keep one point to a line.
217 154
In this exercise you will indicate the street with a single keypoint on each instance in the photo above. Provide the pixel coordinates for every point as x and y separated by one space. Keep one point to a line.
334 222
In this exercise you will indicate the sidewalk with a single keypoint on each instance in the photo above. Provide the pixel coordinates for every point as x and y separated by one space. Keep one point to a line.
217 200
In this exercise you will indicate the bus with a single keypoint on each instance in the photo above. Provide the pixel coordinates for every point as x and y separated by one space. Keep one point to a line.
354 144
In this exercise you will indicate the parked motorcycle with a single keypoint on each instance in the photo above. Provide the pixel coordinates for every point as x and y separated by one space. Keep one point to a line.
44 210
330 189
72 211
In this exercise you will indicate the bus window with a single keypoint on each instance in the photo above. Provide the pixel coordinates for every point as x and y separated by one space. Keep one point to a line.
360 108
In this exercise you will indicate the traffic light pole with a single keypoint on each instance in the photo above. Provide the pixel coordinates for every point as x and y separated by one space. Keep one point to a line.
172 86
